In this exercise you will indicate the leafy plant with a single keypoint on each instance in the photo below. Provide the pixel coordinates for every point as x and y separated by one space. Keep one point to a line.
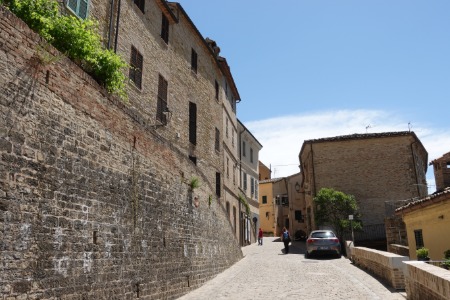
446 264
78 39
447 254
194 183
422 253
333 208
245 203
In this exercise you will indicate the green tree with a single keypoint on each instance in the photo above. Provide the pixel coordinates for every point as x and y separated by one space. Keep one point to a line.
333 208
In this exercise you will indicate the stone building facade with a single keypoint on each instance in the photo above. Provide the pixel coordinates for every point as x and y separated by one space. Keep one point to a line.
375 168
95 197
441 168
249 148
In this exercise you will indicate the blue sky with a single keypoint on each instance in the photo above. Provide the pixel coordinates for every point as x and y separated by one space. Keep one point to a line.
313 69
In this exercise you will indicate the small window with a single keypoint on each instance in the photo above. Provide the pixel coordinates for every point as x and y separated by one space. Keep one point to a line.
232 137
193 159
78 7
251 155
228 167
136 63
244 178
217 143
162 100
264 199
252 185
193 123
267 214
140 4
218 184
448 165
226 127
419 238
228 209
165 29
217 89
243 148
194 61
298 215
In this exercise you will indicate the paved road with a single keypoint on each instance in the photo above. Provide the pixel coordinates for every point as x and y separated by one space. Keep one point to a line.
266 273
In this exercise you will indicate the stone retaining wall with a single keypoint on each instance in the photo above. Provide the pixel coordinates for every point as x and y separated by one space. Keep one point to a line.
94 204
425 281
384 265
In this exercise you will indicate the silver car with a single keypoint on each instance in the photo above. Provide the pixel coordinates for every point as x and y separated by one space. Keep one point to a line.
322 242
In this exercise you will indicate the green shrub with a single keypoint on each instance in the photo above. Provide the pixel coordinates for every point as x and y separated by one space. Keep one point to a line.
422 253
447 254
76 38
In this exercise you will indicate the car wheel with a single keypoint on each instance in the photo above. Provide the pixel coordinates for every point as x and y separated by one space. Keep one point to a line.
306 255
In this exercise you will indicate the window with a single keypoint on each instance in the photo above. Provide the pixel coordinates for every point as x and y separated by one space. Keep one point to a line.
448 165
244 178
217 143
298 216
136 62
218 184
217 89
267 214
264 199
162 100
78 7
193 123
228 208
140 4
252 185
251 155
243 148
256 189
194 61
165 29
193 159
419 238
226 128
232 137
228 167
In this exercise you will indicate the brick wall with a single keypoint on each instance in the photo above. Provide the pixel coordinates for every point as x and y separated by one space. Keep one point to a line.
386 266
94 202
425 281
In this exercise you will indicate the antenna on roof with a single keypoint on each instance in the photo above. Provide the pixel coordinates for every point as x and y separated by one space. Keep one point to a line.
409 126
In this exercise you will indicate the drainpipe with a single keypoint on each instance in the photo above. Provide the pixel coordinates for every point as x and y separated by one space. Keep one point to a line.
117 26
241 236
110 24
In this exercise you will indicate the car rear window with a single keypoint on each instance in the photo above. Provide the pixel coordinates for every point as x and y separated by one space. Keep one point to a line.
322 234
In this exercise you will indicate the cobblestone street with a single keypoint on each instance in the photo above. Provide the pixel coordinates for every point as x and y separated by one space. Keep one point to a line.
267 273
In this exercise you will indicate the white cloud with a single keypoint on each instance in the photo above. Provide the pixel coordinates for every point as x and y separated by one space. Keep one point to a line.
282 137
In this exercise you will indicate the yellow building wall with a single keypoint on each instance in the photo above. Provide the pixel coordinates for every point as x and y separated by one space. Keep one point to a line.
434 220
266 211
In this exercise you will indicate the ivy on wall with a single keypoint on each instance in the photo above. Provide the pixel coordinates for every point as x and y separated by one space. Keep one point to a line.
76 38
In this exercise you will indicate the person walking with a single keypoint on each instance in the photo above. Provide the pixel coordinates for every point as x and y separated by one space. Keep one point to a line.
286 238
260 237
